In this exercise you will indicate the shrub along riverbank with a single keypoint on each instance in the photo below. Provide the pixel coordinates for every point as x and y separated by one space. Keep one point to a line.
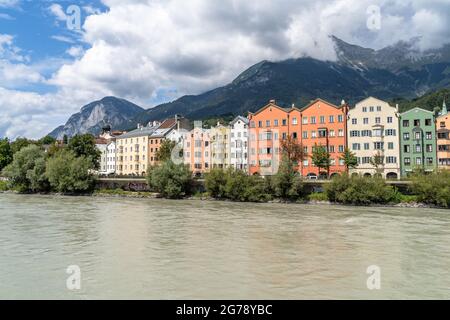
68 172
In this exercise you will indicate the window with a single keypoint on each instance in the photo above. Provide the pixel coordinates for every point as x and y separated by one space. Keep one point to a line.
364 109
305 163
341 148
260 124
391 146
322 119
429 161
378 108
356 146
429 136
428 122
365 160
267 123
305 120
340 118
377 120
418 148
391 159
331 149
390 132
252 124
405 123
389 120
341 133
442 124
378 145
406 148
275 123
313 120
418 161
377 132
407 161
313 134
417 135
354 121
331 119
332 133
284 122
322 133
429 148
366 133
416 123
366 120
294 135
366 146
354 133
371 109
294 121
305 134
406 136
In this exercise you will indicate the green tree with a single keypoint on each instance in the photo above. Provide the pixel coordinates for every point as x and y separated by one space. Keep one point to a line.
215 182
171 180
84 146
287 182
350 159
321 158
164 152
65 139
433 188
6 154
69 173
47 140
19 144
24 172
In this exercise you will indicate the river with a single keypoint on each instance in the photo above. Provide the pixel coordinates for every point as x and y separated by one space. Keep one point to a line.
163 249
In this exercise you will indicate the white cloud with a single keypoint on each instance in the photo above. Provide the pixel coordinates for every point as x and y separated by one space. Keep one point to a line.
63 39
6 16
8 3
139 48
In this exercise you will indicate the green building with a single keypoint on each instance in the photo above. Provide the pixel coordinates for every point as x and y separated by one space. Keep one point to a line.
417 141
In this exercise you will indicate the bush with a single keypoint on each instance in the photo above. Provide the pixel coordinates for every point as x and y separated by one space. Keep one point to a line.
359 190
287 183
68 173
215 182
3 185
318 196
26 171
432 188
171 180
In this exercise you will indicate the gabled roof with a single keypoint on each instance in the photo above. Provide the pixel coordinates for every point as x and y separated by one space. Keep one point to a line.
370 97
416 108
243 119
320 100
270 104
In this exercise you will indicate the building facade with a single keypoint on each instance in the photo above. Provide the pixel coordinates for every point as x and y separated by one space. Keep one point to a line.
101 144
220 146
417 141
239 143
267 127
373 135
323 124
443 138
111 157
197 150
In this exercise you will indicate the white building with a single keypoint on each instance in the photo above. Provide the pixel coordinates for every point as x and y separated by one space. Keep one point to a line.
101 145
111 158
239 143
373 135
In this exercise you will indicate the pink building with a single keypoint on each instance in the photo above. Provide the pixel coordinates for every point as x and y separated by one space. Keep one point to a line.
197 150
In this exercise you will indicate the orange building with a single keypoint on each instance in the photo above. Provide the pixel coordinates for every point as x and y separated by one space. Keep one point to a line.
319 123
267 127
323 124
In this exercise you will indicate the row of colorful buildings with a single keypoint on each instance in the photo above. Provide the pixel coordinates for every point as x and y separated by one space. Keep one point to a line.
372 129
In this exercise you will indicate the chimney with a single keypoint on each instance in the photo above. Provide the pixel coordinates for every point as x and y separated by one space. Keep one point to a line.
139 126
272 101
342 102
397 108
293 105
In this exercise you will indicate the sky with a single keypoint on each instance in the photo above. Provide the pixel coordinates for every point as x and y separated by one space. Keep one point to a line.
56 56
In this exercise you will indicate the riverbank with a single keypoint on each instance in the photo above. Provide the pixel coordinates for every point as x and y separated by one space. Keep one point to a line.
206 197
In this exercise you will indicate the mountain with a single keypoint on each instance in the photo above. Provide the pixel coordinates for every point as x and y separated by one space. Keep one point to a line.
396 71
118 113
430 101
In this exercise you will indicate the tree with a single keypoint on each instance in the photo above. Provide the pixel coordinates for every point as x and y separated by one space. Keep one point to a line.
69 173
47 140
164 152
84 146
350 159
293 149
25 171
170 180
215 182
6 154
287 182
19 144
65 139
321 158
378 162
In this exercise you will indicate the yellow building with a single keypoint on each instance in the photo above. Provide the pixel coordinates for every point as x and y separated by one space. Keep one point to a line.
220 146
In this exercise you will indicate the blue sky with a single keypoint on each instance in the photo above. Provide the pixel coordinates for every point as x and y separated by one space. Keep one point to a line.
154 51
